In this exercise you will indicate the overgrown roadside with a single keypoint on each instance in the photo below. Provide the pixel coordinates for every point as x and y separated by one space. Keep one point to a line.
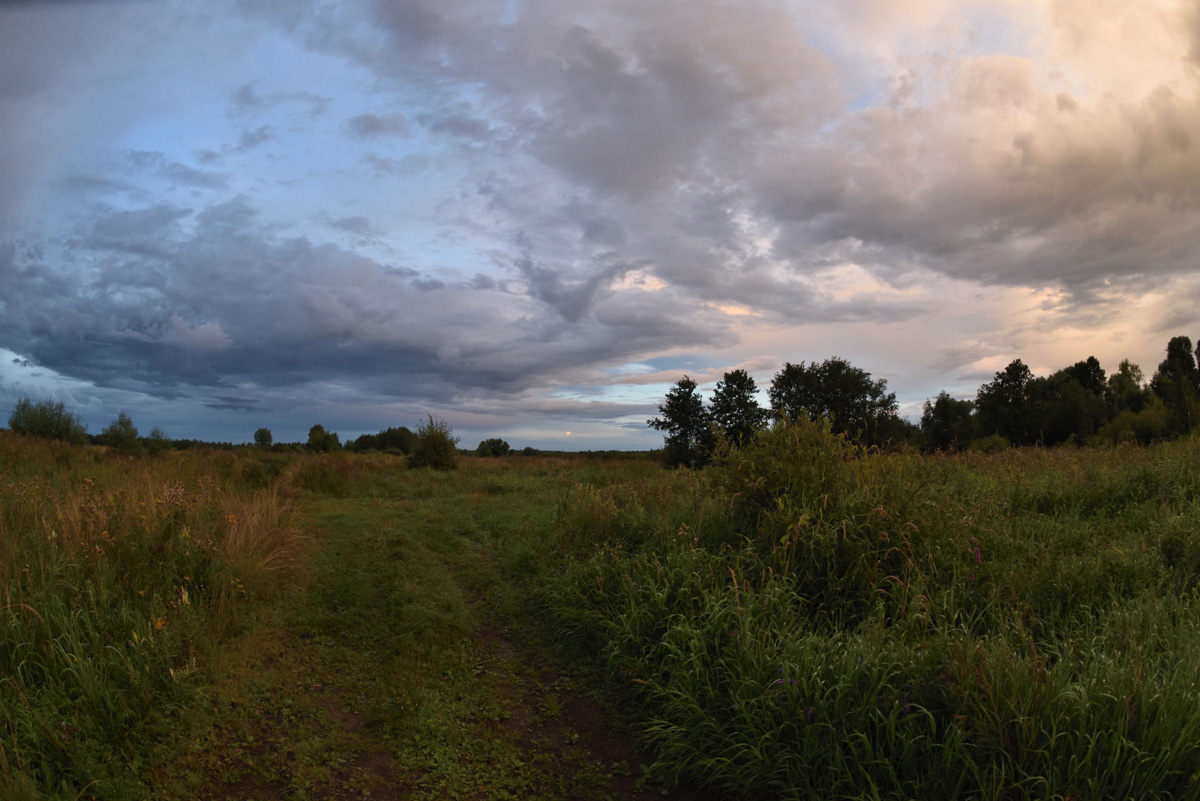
390 672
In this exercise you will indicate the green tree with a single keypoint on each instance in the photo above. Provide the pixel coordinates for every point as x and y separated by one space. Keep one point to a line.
157 442
263 438
1177 383
854 403
689 438
1126 389
493 447
400 439
322 441
1089 375
121 435
1003 406
734 407
947 423
436 446
47 419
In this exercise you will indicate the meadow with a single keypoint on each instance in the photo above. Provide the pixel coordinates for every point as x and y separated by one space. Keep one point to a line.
802 619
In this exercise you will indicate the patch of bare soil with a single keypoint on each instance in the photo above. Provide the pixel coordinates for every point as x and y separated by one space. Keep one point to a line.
563 730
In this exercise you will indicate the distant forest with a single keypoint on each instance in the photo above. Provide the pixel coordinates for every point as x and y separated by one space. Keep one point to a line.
1077 404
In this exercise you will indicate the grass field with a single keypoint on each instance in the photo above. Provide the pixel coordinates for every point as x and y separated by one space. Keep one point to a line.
801 620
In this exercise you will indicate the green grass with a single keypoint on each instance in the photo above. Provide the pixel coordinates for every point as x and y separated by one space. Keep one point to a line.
803 619
810 620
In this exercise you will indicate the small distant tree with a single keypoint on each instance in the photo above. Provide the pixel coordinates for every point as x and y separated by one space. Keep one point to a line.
263 438
947 423
436 446
493 447
157 442
47 419
401 439
734 408
322 441
121 435
689 439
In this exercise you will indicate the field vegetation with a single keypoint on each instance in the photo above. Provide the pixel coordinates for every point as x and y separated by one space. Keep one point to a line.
804 618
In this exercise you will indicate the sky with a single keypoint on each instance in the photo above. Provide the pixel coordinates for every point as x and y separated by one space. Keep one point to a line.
529 218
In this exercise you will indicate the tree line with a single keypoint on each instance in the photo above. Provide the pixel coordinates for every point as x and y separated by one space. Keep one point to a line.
1079 404
433 444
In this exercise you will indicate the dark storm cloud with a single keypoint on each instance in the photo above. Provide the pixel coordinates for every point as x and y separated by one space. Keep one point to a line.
160 298
234 403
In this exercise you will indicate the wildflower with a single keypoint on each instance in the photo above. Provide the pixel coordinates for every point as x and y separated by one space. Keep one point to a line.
978 555
159 622
810 713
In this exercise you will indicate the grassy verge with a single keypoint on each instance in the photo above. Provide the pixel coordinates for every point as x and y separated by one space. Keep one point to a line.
119 577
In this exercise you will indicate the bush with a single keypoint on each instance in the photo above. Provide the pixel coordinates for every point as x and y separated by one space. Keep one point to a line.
993 443
435 446
493 447
48 420
158 441
121 435
322 441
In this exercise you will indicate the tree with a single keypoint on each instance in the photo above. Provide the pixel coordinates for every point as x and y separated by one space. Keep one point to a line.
734 408
158 441
1177 382
1002 406
1126 389
854 403
947 423
436 446
400 439
1089 375
689 437
1069 411
263 438
493 447
48 420
121 435
322 441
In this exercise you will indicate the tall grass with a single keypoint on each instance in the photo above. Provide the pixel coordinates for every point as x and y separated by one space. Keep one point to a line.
118 576
808 619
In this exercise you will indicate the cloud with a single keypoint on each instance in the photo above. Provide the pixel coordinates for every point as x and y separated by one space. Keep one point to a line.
370 126
540 191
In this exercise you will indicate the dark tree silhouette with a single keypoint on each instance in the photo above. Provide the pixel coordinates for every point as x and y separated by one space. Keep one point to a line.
734 408
689 437
855 403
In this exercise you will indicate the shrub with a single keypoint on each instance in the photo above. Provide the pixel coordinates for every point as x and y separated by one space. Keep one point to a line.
121 435
48 420
435 446
158 441
993 443
493 447
322 441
